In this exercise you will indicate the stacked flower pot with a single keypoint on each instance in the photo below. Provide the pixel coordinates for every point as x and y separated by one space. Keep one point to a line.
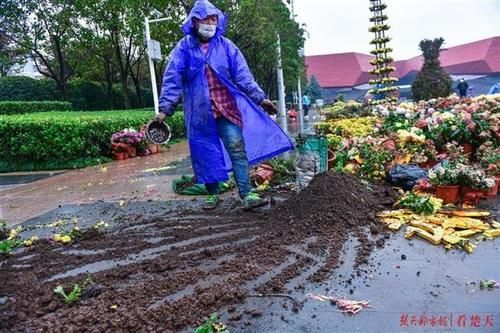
383 90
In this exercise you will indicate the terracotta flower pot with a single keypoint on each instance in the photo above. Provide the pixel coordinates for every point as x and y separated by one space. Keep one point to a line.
331 159
119 156
432 163
153 149
468 150
449 194
428 165
492 192
467 147
158 148
132 152
471 196
389 144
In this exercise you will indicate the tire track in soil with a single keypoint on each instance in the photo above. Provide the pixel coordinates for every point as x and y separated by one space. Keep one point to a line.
145 255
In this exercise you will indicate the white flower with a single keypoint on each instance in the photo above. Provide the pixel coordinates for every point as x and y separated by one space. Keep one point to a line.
489 182
353 152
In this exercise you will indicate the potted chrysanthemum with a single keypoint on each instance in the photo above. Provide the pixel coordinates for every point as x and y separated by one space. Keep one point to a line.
444 177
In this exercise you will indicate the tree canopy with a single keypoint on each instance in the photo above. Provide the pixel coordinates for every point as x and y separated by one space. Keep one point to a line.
103 40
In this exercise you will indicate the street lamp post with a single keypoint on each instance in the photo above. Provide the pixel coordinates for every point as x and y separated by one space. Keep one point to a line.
154 53
299 91
281 89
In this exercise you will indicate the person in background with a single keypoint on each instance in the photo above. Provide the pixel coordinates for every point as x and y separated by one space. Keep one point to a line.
495 89
226 125
306 104
462 87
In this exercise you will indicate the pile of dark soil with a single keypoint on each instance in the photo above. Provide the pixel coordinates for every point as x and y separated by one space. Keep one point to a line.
169 273
334 198
335 206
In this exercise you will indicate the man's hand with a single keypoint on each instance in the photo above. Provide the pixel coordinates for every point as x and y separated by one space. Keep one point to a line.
269 107
160 117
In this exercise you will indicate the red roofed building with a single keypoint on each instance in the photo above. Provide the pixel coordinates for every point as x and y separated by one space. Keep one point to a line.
339 70
348 72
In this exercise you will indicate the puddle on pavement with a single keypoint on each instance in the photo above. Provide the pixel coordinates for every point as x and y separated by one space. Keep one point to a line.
28 257
156 240
26 178
76 252
209 248
266 277
218 226
137 227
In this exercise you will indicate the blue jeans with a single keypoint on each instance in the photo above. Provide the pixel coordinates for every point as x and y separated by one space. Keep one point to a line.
232 138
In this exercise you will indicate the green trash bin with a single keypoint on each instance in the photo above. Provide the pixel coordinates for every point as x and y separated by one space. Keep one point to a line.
312 157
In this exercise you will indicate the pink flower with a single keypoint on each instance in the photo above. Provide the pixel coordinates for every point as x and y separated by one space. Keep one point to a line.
471 126
421 123
442 156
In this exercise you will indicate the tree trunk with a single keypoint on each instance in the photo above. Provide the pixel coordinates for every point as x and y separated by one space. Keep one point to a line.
109 82
126 99
62 88
136 79
138 90
123 76
61 64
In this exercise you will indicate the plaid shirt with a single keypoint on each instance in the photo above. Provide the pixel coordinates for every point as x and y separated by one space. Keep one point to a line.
223 103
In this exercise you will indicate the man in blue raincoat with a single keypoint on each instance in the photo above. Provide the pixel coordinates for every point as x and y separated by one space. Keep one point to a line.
226 126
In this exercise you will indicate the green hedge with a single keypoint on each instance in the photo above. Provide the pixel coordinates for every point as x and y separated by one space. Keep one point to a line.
15 107
83 94
69 136
23 88
88 95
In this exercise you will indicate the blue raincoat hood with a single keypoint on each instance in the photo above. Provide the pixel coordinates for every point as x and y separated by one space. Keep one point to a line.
201 10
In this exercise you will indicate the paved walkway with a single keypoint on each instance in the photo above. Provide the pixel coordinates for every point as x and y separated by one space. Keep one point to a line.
140 178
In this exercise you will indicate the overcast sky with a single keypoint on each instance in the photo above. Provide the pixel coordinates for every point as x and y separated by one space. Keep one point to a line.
336 26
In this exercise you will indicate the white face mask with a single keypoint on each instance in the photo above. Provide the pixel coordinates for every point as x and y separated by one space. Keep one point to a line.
207 31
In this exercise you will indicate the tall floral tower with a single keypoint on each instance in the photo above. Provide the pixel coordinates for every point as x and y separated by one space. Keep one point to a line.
382 69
